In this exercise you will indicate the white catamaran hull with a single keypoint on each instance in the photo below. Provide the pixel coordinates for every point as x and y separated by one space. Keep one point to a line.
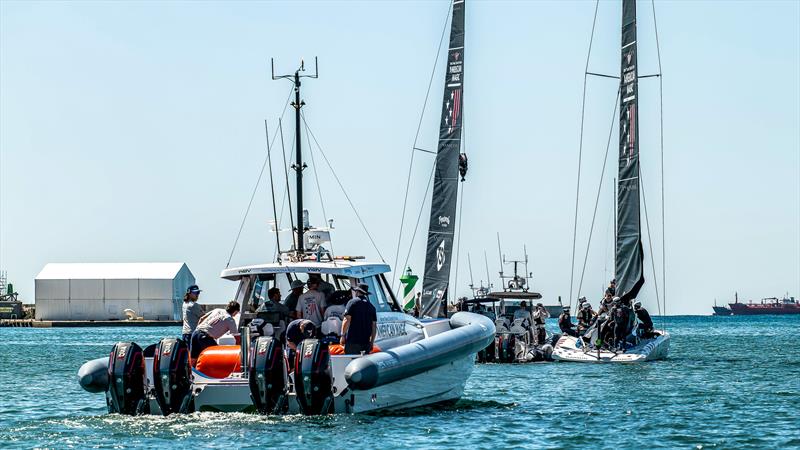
569 349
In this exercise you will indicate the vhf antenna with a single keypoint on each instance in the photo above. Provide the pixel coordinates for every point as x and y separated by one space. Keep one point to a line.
298 166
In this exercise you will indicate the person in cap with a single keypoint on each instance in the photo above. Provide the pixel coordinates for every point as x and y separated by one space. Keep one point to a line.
274 312
645 321
192 311
540 314
297 331
612 287
291 300
323 286
360 323
311 305
212 326
565 323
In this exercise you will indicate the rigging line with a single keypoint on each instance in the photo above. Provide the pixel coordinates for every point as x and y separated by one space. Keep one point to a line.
650 243
602 75
580 155
419 217
288 191
458 242
341 186
414 146
600 187
255 189
272 190
661 135
316 180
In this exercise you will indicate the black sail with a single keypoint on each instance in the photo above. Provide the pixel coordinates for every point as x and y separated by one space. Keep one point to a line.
441 228
629 252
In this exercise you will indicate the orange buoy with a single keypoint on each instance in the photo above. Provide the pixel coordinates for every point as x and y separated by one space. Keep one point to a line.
336 349
219 361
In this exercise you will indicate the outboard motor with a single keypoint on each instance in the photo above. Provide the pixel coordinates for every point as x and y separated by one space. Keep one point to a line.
172 387
312 380
506 348
126 380
267 376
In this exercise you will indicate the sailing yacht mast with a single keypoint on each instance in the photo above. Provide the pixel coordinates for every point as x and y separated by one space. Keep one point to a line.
629 254
441 227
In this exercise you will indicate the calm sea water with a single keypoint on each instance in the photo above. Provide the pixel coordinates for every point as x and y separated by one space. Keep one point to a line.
730 382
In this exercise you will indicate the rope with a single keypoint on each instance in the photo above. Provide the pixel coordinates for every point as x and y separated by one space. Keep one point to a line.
419 216
650 242
272 190
580 155
458 241
316 180
661 134
339 182
255 189
416 137
599 188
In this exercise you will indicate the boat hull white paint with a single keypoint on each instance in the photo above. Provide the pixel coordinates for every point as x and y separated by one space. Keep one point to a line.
567 349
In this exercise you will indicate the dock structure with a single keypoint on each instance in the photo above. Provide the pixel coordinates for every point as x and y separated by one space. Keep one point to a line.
31 323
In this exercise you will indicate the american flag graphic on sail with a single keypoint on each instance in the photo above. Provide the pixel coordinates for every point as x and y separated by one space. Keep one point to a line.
453 109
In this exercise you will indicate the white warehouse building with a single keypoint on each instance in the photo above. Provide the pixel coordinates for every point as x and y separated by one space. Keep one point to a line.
103 291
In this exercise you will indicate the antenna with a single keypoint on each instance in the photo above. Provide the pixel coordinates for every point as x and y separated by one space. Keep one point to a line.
486 262
471 280
298 166
500 254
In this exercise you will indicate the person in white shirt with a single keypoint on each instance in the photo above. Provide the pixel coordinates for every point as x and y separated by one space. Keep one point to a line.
311 305
212 326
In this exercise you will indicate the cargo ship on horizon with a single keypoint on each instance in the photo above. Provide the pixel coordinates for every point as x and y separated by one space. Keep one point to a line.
769 305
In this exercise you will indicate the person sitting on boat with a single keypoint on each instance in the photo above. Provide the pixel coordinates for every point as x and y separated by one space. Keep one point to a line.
645 321
212 326
539 317
334 312
274 312
311 305
360 324
522 312
605 303
565 323
291 300
586 317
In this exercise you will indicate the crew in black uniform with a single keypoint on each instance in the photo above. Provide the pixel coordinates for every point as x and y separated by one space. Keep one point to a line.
645 322
565 323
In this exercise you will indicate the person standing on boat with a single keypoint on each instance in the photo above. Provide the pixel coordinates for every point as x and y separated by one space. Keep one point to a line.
565 323
191 311
291 300
274 312
539 317
311 305
586 317
360 323
645 321
611 290
212 326
323 286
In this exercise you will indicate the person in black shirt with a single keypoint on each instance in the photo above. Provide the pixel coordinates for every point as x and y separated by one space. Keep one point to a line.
645 322
565 323
360 323
612 288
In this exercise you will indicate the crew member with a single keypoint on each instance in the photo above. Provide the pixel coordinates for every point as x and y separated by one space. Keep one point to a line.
360 323
299 330
612 288
621 318
291 300
212 326
274 312
311 305
565 323
523 313
191 311
586 317
645 322
605 303
326 288
539 317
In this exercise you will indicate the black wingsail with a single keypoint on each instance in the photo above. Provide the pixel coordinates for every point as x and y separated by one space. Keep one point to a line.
629 252
441 228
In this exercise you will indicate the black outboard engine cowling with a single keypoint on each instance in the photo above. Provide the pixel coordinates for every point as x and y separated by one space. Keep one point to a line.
267 376
126 379
312 380
171 384
506 351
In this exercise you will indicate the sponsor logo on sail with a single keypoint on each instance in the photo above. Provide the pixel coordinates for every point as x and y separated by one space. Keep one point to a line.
440 256
444 221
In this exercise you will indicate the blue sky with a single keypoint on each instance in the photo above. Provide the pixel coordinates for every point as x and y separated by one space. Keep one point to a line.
133 131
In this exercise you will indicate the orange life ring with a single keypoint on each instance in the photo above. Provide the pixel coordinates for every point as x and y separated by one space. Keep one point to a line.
219 361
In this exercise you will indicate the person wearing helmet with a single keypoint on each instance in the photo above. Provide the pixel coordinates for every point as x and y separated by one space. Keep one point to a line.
612 287
586 317
565 323
621 317
645 321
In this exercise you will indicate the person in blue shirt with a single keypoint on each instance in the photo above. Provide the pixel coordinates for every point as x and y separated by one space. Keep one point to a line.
360 323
